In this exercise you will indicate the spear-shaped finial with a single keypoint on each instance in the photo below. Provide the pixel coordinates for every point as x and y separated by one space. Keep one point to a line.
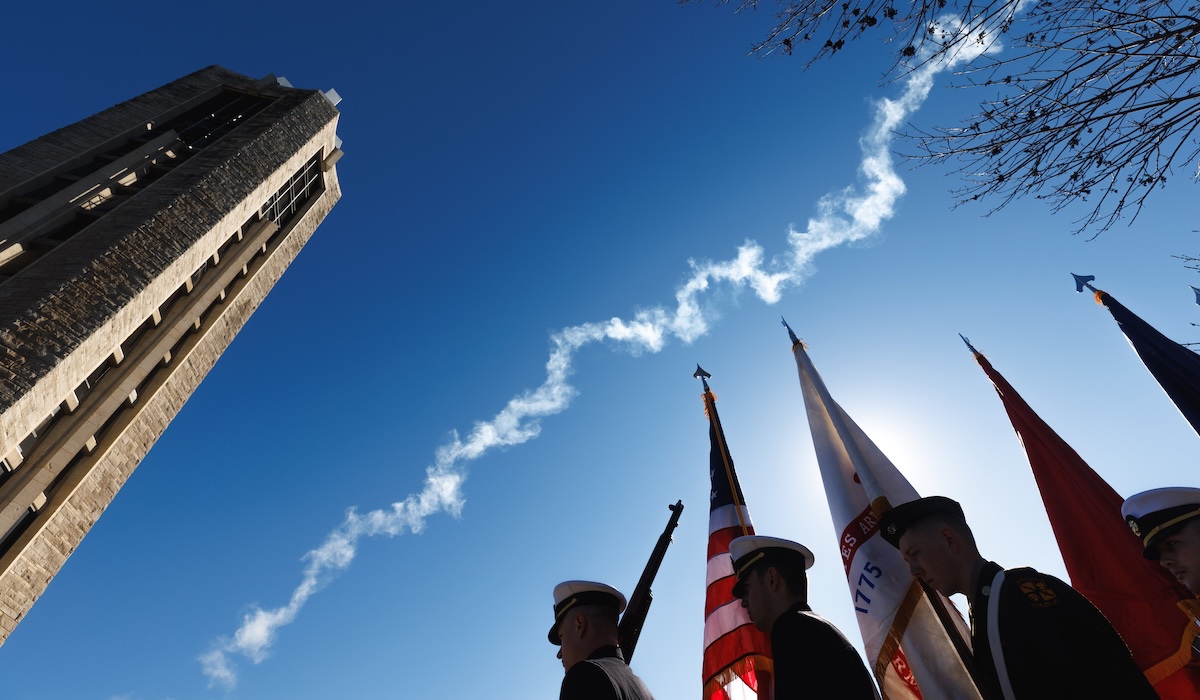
969 346
702 375
1082 281
789 330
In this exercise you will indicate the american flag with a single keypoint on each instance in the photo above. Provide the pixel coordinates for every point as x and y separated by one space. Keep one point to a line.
737 657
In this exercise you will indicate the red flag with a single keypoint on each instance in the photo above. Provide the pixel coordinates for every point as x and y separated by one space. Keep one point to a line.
737 657
1152 612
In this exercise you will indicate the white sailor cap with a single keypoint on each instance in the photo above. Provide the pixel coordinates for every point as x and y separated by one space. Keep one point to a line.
1157 513
569 594
750 550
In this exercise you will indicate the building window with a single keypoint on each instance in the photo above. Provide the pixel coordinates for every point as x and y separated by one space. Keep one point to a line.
290 198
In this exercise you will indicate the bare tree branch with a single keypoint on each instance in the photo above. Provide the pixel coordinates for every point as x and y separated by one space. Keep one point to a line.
1094 102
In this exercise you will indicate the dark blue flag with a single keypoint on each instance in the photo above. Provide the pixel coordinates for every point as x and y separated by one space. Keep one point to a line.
1175 367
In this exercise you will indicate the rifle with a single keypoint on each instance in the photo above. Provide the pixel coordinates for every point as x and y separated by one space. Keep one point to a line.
630 626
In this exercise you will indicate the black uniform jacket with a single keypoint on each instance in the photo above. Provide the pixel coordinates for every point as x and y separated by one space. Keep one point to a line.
603 676
814 660
1055 643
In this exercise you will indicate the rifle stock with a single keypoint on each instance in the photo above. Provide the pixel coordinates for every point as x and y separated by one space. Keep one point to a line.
630 626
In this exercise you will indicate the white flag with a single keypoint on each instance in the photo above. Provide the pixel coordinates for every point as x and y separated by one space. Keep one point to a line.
907 646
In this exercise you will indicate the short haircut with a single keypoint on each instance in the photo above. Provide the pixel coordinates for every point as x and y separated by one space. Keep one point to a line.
946 519
598 613
793 572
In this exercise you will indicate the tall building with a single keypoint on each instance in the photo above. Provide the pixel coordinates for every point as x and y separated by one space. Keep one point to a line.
133 246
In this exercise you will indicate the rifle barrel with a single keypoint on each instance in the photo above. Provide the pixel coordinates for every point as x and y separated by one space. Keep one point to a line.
630 626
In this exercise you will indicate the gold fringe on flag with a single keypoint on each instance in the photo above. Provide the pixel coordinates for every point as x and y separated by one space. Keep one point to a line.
899 624
755 662
1180 658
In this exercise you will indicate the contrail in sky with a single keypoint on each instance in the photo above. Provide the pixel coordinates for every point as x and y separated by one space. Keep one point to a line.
851 214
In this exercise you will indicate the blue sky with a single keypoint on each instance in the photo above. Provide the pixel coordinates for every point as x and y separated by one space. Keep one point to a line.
511 173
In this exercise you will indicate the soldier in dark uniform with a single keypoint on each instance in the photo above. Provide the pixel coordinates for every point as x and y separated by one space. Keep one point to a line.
1032 635
585 629
1168 523
812 658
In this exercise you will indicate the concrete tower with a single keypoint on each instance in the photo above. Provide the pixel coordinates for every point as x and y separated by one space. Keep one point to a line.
133 247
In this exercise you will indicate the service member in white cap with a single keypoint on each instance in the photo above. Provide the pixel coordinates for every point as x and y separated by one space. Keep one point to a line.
1168 523
1032 635
812 658
585 629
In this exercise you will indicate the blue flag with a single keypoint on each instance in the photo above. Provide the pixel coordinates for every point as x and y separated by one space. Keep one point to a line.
1175 367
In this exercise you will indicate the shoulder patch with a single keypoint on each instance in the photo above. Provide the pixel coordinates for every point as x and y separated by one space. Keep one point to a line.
1037 591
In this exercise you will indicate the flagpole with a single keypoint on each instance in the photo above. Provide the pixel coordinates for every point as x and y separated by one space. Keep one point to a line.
877 497
737 656
710 409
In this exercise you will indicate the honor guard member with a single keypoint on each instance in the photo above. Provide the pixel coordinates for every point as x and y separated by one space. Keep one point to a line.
585 629
1168 522
1032 635
812 658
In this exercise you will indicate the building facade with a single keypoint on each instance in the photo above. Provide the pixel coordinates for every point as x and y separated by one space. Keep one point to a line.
133 246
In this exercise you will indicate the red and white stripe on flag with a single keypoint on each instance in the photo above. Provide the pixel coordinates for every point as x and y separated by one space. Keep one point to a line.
907 646
736 655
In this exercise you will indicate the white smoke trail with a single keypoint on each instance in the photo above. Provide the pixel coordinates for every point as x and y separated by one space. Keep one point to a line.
850 215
